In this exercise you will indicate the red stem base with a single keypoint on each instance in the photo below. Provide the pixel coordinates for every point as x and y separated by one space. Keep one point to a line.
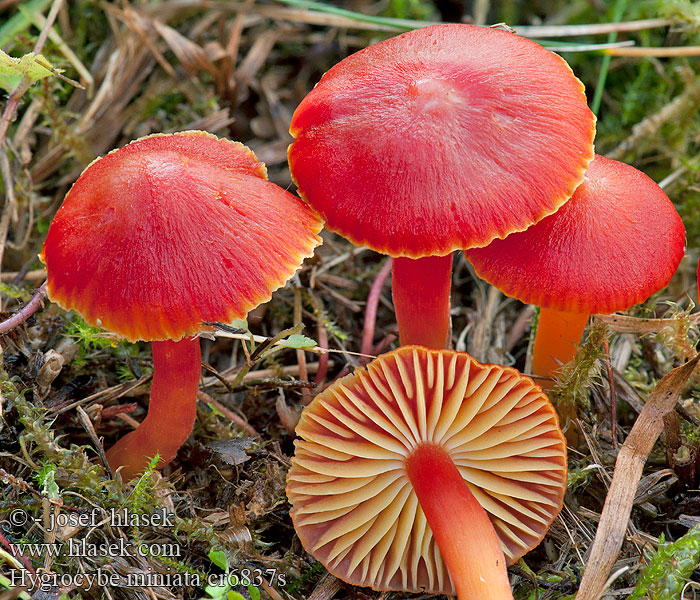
462 529
421 291
171 410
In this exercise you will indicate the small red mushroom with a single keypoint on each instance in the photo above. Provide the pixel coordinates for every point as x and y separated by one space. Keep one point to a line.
439 139
616 242
156 238
427 471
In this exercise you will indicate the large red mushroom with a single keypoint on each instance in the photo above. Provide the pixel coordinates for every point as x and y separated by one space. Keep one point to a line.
440 139
158 237
615 243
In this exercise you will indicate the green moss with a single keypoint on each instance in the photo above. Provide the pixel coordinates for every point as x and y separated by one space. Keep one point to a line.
572 386
668 570
308 577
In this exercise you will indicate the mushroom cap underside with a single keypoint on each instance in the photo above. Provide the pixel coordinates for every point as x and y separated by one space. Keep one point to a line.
352 503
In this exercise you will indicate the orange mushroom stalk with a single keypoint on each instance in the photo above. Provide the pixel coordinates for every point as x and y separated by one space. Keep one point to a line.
440 139
421 294
171 411
158 237
615 243
558 336
427 471
451 509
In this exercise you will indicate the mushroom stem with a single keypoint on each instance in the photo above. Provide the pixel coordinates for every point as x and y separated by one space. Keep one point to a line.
171 410
463 531
558 335
421 292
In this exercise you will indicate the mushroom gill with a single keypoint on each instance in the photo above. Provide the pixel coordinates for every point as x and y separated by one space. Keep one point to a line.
354 507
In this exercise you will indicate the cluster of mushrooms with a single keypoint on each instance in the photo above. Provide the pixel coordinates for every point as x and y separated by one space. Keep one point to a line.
426 470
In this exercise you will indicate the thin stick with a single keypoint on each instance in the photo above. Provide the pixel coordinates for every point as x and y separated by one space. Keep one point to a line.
20 90
549 31
229 414
48 24
67 52
23 314
384 344
10 202
654 52
96 442
292 370
35 275
340 259
323 358
685 103
112 393
519 327
371 308
301 357
310 11
613 398
260 339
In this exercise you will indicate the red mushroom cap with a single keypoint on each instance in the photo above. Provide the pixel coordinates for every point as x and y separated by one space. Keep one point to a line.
616 242
173 230
440 139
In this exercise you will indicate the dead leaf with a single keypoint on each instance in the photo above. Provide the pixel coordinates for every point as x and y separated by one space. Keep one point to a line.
192 57
231 451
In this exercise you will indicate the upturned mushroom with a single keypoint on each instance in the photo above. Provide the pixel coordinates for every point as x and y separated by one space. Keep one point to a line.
159 236
615 243
439 139
427 471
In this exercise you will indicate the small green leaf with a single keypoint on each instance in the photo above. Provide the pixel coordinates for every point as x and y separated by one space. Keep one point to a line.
254 592
46 477
50 488
236 596
220 559
217 412
217 591
34 66
298 341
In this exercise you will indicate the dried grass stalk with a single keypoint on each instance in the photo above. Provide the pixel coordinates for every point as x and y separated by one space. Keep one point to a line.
628 471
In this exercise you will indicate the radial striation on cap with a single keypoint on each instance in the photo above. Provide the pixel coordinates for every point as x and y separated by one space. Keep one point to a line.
173 230
615 243
442 138
353 506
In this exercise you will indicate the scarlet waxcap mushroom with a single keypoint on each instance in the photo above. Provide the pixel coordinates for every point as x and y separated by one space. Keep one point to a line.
422 470
615 243
439 139
173 230
161 235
